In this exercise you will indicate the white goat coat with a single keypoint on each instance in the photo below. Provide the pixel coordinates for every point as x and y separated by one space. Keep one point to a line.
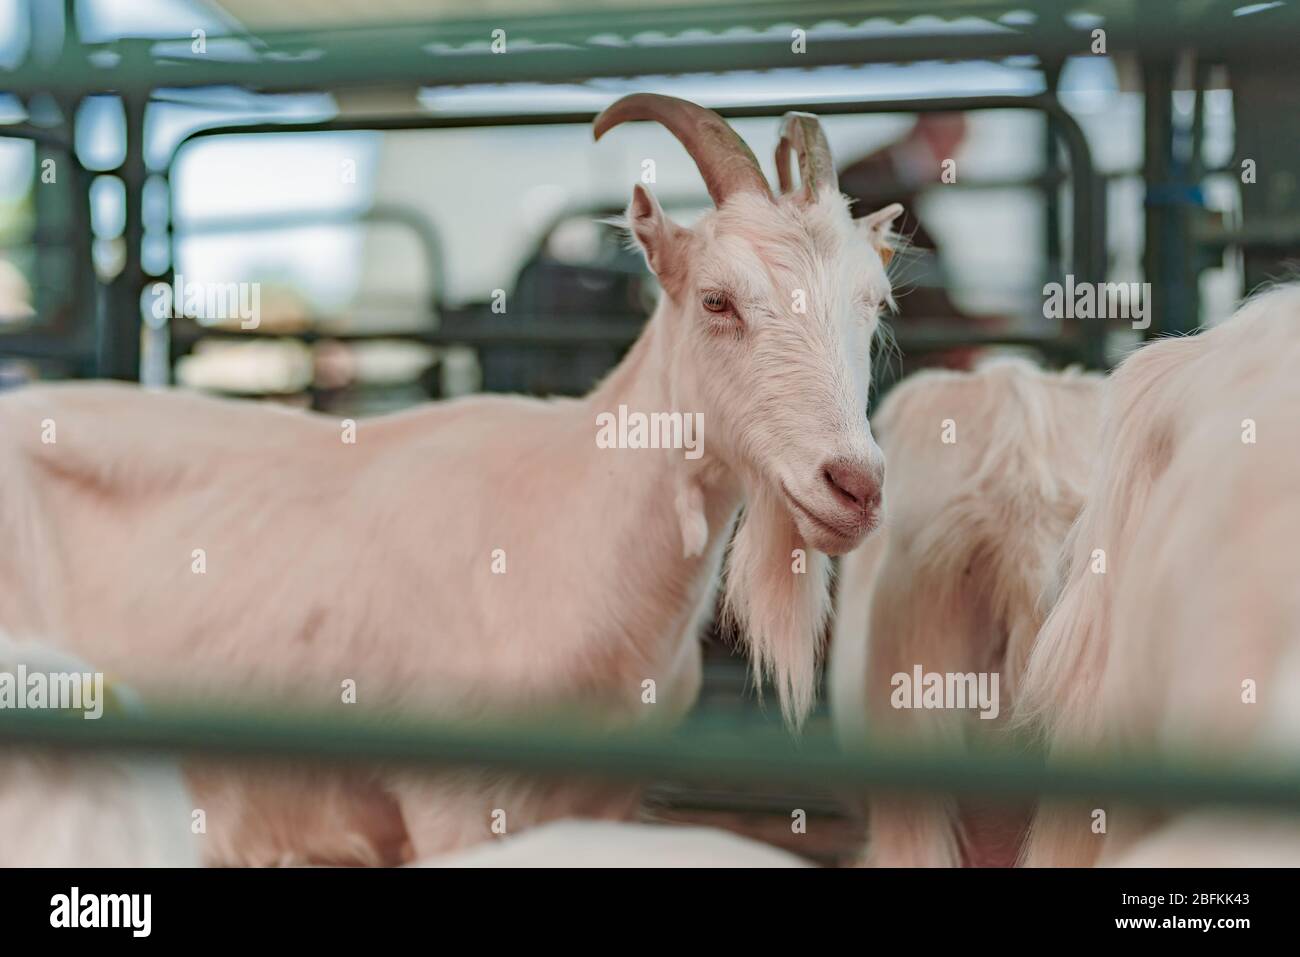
1201 533
986 474
617 844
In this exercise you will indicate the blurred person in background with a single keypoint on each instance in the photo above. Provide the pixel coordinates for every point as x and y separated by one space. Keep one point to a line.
899 173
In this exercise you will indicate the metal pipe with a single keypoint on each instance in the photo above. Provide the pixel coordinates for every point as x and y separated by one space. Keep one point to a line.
1088 229
701 751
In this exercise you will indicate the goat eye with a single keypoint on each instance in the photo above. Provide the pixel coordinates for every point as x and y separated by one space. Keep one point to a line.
716 302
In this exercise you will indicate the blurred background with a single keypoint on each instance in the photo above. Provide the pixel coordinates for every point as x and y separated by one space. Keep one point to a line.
414 199
354 207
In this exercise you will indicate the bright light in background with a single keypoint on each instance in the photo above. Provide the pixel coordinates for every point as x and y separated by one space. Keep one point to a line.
11 109
101 132
186 111
1084 19
1254 8
13 32
277 175
274 173
101 20
319 266
17 162
875 81
1088 83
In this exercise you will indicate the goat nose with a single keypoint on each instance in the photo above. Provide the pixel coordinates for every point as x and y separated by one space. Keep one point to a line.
853 483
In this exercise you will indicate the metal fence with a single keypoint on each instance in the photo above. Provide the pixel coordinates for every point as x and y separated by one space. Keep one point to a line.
99 331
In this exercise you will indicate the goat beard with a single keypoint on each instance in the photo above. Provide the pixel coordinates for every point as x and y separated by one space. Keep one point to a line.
778 595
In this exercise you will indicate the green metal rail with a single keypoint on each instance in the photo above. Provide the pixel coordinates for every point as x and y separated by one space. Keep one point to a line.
704 750
697 38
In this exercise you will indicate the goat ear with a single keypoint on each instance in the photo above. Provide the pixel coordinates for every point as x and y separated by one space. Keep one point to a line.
878 229
662 240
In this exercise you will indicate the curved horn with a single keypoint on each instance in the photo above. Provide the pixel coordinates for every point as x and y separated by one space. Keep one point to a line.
726 163
802 132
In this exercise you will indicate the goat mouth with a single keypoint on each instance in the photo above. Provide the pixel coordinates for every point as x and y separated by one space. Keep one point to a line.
843 531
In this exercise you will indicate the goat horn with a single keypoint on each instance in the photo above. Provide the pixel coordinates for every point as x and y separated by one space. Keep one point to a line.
726 163
802 132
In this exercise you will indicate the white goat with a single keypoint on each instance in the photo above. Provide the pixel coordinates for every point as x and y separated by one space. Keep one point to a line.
76 809
483 556
986 473
1192 511
621 844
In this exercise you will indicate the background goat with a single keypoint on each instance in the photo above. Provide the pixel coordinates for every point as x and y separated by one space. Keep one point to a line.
1193 505
986 473
481 556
